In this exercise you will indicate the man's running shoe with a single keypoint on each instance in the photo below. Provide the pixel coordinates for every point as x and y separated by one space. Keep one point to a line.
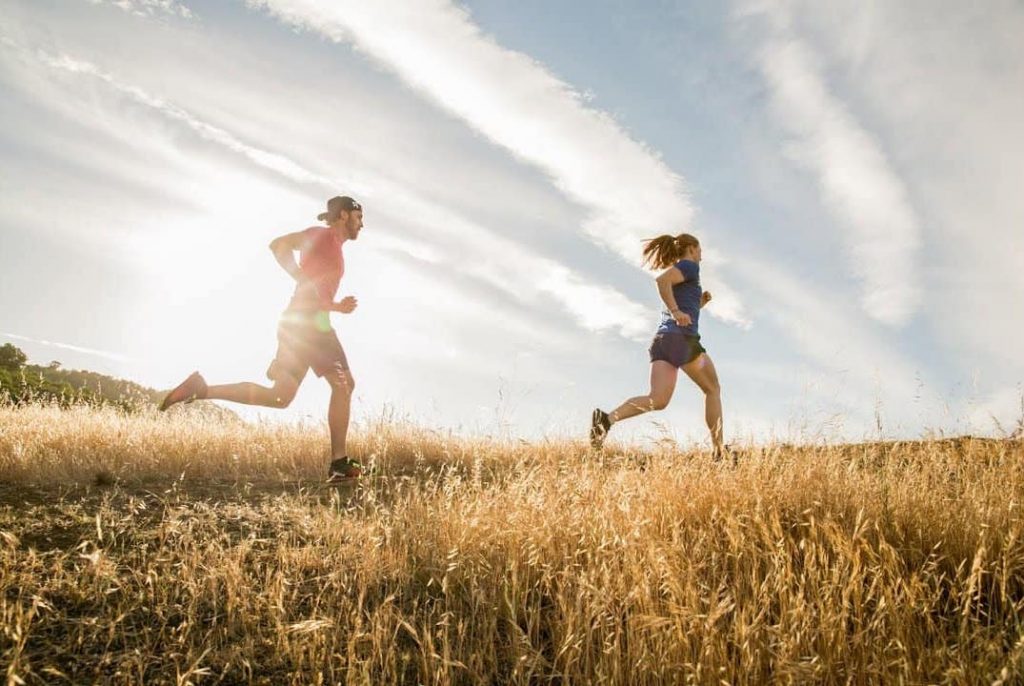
343 469
192 388
600 423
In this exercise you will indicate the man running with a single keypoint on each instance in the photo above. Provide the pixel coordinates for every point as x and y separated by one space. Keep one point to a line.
305 337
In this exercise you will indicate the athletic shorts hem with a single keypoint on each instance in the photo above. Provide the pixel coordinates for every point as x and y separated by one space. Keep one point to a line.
302 346
677 349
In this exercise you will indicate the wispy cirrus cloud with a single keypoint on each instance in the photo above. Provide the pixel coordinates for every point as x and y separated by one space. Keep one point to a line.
106 354
148 8
830 332
268 160
473 248
954 120
857 182
629 192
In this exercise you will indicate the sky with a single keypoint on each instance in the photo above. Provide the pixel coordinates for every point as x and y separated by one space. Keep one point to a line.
853 171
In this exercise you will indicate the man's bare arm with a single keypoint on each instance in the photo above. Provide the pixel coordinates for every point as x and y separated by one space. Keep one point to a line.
284 248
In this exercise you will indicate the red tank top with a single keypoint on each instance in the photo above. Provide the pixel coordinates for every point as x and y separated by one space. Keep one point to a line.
323 265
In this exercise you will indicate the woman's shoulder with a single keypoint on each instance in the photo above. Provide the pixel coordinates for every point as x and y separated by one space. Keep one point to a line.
689 268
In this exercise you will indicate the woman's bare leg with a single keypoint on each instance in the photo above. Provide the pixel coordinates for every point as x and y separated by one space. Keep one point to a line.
663 383
702 371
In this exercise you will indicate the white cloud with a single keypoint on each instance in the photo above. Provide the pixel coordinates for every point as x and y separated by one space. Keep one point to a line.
268 160
943 81
148 8
858 183
475 250
830 332
629 192
509 266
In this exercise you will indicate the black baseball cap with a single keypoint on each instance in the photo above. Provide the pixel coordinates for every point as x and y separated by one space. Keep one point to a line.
337 205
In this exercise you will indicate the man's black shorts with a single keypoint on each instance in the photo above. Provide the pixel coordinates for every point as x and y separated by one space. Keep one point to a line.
305 340
676 348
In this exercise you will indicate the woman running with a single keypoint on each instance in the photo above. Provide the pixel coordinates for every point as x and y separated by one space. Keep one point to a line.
676 344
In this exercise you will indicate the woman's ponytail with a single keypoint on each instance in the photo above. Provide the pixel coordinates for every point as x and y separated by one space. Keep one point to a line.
664 251
659 251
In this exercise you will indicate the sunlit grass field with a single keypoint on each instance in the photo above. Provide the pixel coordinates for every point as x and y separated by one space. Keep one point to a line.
180 549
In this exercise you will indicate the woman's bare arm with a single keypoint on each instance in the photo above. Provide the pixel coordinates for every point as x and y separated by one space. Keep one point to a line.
666 280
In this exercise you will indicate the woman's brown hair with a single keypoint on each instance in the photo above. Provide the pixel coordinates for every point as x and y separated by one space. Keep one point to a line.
664 251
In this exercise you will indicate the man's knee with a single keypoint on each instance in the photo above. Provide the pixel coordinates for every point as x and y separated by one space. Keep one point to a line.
341 379
283 393
283 400
659 402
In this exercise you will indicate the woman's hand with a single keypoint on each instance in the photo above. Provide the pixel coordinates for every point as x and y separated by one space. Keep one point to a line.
705 298
346 305
682 319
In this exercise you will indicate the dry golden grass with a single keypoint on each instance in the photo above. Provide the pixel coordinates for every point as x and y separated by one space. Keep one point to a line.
210 554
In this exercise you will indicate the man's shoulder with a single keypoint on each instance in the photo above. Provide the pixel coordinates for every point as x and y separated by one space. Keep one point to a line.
318 235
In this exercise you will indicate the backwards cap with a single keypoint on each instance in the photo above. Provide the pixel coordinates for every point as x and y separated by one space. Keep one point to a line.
337 205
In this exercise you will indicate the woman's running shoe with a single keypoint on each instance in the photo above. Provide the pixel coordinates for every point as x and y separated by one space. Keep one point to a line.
599 425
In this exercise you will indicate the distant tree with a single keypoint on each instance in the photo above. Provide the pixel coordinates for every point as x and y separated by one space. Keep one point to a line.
54 365
11 357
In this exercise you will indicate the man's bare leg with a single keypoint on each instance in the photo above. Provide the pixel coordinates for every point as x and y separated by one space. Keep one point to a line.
338 412
279 395
196 388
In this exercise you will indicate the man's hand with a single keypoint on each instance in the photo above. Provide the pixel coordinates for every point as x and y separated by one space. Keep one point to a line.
705 298
682 319
346 305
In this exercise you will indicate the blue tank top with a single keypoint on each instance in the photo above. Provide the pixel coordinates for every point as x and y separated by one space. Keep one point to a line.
687 295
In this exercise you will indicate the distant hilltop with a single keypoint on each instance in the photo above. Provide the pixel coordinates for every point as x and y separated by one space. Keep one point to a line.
21 383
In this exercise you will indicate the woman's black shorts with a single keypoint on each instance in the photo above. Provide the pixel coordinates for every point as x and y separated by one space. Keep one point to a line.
676 348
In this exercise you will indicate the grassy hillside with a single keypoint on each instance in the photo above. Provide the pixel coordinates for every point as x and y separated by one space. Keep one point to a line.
23 383
143 548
